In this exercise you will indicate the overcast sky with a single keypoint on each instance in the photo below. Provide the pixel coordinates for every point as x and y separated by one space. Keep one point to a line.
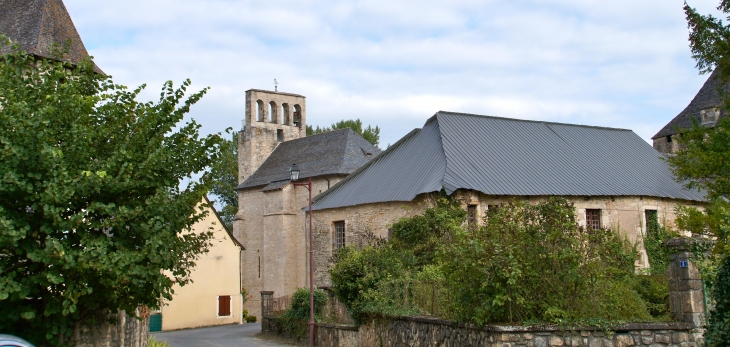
394 63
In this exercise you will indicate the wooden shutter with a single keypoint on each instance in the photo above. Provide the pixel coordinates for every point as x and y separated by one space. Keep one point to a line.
224 305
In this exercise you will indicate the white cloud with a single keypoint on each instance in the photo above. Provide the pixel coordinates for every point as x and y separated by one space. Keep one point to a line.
623 63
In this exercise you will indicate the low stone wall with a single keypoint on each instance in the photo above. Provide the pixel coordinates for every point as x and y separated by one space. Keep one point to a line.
431 332
127 332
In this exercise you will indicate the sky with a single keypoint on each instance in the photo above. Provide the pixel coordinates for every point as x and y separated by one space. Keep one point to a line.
395 63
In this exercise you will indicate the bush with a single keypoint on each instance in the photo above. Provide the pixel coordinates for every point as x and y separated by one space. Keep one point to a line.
295 320
357 275
533 263
718 327
250 319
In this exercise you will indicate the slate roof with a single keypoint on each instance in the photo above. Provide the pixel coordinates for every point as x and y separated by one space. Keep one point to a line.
707 97
334 152
512 157
36 25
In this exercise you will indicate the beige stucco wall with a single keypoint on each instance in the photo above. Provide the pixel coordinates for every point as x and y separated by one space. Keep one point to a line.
271 227
216 273
624 214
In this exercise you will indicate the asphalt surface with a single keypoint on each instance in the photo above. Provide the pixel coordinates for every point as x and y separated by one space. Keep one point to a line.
222 336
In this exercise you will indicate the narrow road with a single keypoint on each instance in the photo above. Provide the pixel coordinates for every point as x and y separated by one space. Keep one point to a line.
223 336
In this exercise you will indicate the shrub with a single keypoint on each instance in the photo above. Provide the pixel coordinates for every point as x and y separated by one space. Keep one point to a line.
357 273
250 319
533 262
295 320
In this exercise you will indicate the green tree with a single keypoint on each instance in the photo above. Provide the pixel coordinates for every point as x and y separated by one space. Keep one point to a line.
370 134
224 177
92 211
703 162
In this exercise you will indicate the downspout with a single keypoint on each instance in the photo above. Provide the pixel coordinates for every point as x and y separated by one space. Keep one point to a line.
240 285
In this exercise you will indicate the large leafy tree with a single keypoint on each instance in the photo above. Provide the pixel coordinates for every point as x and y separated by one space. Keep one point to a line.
92 211
370 134
224 176
704 161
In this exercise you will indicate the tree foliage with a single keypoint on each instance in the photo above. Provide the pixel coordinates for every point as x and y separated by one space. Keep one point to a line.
224 178
525 263
91 207
370 134
704 162
533 262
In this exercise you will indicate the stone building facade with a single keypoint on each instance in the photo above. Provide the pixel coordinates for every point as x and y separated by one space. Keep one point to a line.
270 221
625 214
613 178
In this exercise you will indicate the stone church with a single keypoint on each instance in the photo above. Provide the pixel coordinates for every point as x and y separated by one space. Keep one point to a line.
614 178
270 222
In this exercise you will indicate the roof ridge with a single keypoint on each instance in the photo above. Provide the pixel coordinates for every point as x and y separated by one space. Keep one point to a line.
525 120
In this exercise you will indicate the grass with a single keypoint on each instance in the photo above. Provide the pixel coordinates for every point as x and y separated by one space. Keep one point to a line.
154 343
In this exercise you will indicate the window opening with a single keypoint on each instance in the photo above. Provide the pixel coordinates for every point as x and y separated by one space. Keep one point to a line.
259 266
652 221
280 135
224 305
339 234
471 212
285 114
272 112
259 111
297 115
593 218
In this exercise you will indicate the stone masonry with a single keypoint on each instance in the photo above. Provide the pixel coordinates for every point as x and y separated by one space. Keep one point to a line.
433 332
686 290
625 214
263 129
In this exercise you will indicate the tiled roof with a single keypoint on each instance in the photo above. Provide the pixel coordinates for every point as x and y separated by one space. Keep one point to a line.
334 152
707 97
509 157
36 25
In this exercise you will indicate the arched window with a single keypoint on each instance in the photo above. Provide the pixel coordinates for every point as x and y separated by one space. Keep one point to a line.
297 115
285 114
260 113
272 112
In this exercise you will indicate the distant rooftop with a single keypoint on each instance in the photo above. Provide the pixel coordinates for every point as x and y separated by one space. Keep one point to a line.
707 97
509 157
335 152
37 25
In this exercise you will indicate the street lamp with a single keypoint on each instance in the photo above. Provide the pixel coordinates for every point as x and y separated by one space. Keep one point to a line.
294 173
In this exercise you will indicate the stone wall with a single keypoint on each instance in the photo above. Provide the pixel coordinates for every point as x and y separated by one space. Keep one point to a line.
271 227
432 332
127 331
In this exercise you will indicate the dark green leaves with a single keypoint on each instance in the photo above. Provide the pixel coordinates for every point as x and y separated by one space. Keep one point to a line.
91 207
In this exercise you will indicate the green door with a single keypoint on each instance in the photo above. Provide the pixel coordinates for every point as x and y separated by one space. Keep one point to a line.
155 322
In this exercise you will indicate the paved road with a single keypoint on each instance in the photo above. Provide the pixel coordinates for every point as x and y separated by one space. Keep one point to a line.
223 336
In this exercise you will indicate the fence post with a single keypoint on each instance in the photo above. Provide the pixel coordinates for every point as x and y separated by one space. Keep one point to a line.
686 290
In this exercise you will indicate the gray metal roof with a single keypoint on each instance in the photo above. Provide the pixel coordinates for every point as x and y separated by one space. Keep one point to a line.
707 97
512 157
37 25
331 153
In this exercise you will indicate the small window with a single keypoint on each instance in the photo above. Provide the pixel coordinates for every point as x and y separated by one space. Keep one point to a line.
492 209
669 139
593 218
224 306
339 235
280 135
652 222
471 212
